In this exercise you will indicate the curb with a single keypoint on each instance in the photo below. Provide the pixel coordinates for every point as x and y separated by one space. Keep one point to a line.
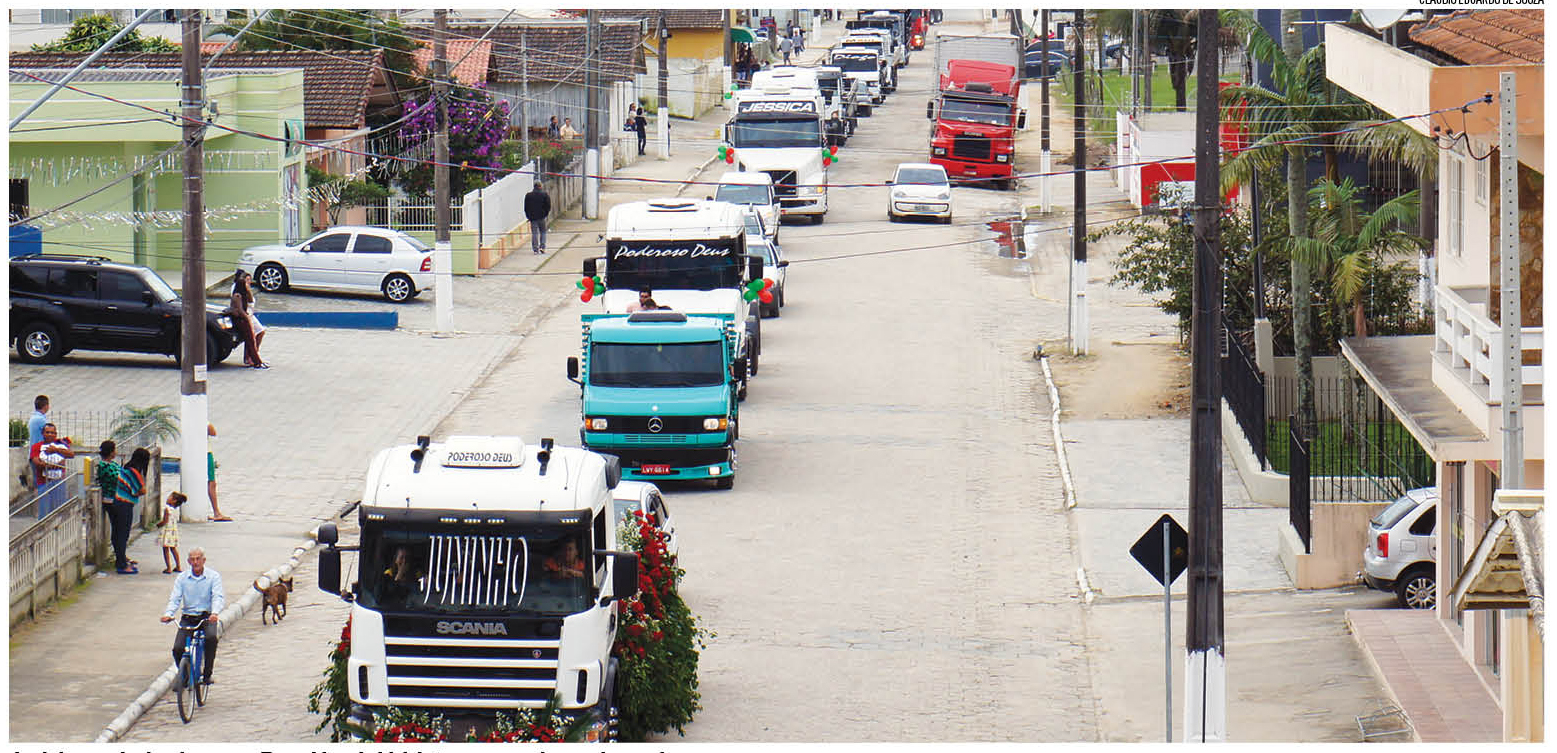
1059 439
693 175
229 616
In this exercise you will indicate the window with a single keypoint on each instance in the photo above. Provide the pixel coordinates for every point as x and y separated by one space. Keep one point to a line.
335 243
600 539
1454 216
19 209
121 287
80 283
1483 179
1455 477
372 244
26 279
1425 523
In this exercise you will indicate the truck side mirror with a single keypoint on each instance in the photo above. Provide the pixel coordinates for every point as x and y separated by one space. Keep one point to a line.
573 370
613 470
753 267
624 575
330 570
783 264
589 266
1021 119
328 534
929 110
738 368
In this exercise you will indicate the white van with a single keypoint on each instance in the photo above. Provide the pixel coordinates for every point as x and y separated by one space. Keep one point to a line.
756 191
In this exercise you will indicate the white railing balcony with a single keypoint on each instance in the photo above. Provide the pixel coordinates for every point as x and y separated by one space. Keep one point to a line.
1472 344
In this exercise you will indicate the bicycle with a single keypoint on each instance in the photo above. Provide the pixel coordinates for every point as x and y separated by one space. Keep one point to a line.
188 685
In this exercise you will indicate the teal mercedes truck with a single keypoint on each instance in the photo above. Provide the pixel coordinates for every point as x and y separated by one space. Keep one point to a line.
659 391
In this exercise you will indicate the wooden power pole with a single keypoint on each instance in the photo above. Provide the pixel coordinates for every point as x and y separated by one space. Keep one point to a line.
194 411
443 252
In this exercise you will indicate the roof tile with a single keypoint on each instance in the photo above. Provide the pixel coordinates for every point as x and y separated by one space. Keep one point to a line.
1486 37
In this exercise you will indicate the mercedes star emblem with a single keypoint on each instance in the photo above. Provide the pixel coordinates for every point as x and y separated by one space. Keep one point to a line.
656 425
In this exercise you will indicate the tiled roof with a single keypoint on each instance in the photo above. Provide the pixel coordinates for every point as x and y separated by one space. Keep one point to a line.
115 75
700 18
335 84
471 54
553 51
1486 37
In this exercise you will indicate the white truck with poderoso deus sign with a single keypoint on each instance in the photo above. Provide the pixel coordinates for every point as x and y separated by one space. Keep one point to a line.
487 581
692 257
782 134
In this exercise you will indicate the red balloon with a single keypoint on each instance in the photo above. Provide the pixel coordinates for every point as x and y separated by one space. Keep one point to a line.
767 284
832 149
827 161
729 159
765 297
587 294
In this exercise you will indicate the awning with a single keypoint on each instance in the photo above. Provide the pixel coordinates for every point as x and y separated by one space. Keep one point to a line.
742 34
1505 572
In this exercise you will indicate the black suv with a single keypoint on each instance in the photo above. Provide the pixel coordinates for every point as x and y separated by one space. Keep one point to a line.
61 303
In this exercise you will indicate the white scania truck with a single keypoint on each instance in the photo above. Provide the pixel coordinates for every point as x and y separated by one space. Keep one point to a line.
487 580
781 133
692 257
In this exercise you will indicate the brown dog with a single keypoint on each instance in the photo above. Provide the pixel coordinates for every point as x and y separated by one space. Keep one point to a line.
275 599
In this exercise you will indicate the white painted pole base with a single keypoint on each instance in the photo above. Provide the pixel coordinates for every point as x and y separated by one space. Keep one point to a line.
1078 309
1205 697
591 184
662 132
1045 167
443 286
193 415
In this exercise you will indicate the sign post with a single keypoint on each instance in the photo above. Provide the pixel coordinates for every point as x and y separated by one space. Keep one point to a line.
1164 551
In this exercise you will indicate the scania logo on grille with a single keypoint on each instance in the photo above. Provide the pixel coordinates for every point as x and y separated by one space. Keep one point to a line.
656 425
445 627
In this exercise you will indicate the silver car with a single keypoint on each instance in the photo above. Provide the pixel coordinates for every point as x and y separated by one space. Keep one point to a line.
1401 555
643 497
348 258
774 267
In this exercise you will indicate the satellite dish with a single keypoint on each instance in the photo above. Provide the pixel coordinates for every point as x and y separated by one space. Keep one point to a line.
1379 20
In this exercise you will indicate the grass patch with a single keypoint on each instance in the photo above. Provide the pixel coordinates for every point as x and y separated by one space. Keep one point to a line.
1337 452
1116 95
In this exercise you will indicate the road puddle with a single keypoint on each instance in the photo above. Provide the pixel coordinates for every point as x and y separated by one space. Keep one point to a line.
1010 240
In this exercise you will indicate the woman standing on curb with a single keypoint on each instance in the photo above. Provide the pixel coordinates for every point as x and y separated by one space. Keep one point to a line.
241 309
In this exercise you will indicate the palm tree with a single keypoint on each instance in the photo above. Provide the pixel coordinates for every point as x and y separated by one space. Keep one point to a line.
1350 243
156 422
1304 113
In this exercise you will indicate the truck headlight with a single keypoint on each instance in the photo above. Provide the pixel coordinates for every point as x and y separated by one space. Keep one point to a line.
715 424
225 322
1002 158
939 151
596 424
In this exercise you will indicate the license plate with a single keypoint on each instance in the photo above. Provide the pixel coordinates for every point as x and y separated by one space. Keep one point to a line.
925 208
659 470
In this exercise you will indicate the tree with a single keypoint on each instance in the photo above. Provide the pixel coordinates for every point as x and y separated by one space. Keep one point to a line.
1174 31
477 125
1350 243
88 33
156 422
338 193
327 29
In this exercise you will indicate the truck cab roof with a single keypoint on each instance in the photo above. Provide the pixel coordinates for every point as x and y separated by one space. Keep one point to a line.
746 178
636 328
483 474
675 219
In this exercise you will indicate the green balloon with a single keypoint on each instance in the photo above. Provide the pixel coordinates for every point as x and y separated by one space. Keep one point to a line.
599 288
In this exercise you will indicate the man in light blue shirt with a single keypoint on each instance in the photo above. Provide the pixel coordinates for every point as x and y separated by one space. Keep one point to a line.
197 595
39 417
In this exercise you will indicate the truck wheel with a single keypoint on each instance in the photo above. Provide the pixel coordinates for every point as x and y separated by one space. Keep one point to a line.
724 482
864 111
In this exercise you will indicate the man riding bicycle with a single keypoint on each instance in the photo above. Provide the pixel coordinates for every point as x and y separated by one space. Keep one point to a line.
198 591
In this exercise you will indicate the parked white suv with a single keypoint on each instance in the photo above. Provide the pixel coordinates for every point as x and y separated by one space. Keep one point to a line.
1402 549
754 190
345 258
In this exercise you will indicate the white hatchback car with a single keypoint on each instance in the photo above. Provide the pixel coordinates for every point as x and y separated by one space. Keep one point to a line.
919 189
1401 554
641 496
774 266
345 258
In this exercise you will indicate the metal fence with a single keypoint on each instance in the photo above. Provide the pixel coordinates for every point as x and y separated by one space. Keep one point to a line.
1359 450
419 214
87 429
1243 386
48 556
1298 488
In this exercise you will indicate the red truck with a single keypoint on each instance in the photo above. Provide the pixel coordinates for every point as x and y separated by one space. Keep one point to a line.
976 118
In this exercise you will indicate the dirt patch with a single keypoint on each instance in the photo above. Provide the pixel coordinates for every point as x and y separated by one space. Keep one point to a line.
1122 380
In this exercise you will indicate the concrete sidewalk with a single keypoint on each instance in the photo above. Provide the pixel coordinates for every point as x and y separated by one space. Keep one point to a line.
294 443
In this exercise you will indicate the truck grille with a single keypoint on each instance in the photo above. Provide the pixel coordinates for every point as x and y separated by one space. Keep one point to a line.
971 147
783 182
656 439
668 424
491 671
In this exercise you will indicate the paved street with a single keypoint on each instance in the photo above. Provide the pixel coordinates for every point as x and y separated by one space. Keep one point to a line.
894 564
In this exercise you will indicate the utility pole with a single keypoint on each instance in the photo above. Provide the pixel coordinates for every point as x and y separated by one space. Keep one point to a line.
443 251
194 410
1135 62
524 103
592 115
1078 266
1205 668
1146 74
1513 466
662 117
1047 164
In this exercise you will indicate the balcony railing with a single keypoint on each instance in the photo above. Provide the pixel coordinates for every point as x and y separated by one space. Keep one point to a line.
1473 343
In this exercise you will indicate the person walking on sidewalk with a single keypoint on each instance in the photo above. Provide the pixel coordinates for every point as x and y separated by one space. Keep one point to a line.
197 596
537 207
785 47
132 484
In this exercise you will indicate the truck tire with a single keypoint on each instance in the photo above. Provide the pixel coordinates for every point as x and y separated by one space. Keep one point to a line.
863 111
611 703
816 219
724 482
